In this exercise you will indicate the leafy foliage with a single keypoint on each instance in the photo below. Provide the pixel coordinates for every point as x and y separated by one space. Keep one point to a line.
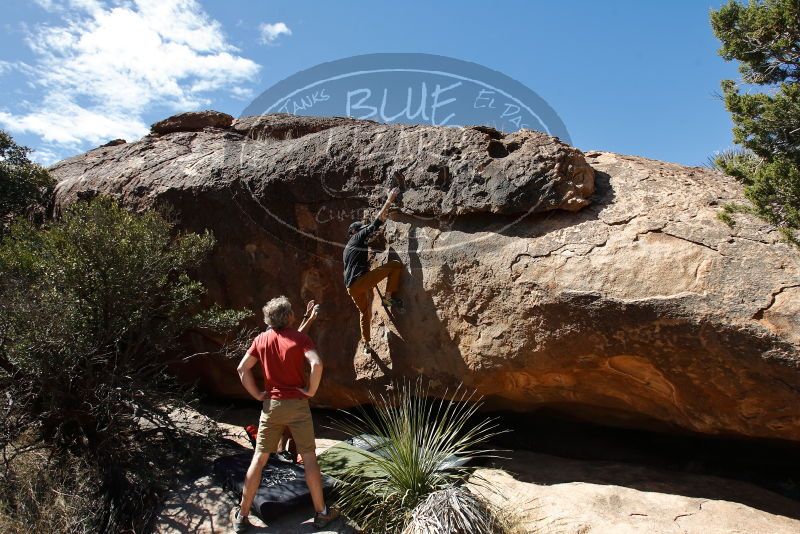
767 124
416 435
764 36
91 309
25 187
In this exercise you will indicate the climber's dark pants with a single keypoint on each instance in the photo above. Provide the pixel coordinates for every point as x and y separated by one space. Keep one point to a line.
361 290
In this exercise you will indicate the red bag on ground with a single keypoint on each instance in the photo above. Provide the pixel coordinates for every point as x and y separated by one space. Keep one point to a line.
252 434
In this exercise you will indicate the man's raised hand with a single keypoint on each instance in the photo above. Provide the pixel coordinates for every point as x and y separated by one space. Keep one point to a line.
311 310
393 193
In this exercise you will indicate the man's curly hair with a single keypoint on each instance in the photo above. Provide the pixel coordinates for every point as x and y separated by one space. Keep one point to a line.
277 312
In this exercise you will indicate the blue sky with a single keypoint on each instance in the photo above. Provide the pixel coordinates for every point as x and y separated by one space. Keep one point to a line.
628 76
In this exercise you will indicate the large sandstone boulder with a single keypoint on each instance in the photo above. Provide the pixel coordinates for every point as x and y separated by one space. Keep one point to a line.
599 285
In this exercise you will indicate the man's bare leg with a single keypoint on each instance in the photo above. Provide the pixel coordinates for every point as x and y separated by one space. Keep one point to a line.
314 480
253 479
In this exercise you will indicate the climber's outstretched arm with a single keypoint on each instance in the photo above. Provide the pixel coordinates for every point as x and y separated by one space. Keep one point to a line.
390 198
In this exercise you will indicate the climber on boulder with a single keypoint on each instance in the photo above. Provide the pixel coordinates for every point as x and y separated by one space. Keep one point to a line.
360 280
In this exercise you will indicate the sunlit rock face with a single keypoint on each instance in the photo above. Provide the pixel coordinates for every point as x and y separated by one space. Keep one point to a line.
599 285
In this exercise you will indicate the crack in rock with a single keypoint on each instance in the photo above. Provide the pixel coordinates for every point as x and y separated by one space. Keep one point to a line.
519 256
699 509
759 314
661 231
619 222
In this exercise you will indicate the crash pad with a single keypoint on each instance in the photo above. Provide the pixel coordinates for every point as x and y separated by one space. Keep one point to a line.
283 484
359 449
335 460
371 442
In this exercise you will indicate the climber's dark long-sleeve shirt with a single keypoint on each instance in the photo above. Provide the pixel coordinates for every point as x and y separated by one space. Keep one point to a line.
356 260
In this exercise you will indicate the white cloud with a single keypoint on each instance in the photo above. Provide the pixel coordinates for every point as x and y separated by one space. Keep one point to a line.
108 62
45 156
270 32
21 66
47 5
242 93
60 6
61 122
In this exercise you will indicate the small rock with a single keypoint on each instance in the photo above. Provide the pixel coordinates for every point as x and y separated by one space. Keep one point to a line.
113 142
192 121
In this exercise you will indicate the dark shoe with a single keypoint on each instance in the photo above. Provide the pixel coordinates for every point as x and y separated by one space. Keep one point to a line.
323 520
240 523
393 303
285 456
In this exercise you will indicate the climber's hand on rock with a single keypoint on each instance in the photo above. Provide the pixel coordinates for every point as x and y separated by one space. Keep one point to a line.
393 193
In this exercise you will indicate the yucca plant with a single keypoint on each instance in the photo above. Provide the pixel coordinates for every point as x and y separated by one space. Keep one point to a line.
416 439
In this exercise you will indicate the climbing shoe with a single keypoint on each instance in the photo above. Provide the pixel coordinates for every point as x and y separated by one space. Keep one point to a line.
240 522
393 303
323 520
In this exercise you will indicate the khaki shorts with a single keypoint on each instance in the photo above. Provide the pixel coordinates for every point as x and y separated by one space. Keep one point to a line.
276 415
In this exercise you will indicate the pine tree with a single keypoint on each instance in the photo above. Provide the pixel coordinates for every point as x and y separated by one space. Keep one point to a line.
764 37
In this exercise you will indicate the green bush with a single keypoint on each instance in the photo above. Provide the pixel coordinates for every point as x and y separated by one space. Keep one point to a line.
91 309
25 187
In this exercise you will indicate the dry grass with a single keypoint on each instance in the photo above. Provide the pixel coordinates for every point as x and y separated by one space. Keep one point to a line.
457 510
45 491
40 494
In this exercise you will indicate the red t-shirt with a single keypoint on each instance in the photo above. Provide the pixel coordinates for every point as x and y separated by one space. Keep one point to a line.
282 357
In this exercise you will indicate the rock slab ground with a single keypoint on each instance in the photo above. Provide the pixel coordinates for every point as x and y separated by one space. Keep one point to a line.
547 494
559 495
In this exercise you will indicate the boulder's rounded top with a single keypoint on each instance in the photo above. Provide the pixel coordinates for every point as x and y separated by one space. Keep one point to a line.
192 121
113 142
285 126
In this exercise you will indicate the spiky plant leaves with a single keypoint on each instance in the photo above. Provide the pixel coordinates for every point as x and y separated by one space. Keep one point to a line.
417 435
